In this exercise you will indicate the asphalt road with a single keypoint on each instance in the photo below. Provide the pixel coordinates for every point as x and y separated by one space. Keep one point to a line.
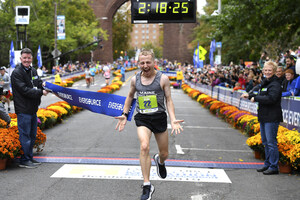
89 135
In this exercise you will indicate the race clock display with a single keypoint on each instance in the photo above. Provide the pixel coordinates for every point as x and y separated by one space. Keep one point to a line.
163 11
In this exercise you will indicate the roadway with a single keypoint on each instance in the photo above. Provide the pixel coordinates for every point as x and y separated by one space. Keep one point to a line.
86 142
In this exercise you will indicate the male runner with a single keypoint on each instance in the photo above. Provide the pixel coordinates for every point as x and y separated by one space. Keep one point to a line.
152 89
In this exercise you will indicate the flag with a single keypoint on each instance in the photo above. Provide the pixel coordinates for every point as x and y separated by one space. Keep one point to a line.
199 56
39 57
211 52
12 55
195 58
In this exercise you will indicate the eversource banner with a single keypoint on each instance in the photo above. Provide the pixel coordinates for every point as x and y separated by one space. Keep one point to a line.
290 105
103 103
61 29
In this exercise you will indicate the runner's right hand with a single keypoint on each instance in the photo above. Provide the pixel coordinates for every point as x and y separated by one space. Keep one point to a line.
121 123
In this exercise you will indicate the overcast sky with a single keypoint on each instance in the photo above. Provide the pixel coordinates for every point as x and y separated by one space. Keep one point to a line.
200 4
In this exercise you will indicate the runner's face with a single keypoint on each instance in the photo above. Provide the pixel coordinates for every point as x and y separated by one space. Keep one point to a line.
26 59
146 64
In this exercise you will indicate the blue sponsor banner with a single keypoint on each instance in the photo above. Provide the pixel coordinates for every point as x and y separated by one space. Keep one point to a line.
291 112
236 98
103 103
290 105
169 73
228 96
215 92
209 90
222 93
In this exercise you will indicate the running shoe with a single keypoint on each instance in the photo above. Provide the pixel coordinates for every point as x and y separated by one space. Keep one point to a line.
148 190
161 168
27 164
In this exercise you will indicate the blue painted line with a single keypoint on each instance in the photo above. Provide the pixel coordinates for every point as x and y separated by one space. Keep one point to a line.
135 161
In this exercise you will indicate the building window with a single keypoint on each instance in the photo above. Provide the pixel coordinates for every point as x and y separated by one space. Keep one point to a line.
154 37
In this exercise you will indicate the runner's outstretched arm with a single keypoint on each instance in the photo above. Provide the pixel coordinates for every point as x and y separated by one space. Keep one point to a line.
170 106
123 119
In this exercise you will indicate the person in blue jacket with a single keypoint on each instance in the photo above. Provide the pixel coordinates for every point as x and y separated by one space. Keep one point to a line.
291 83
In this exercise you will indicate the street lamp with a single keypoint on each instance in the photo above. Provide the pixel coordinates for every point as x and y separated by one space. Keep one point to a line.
217 12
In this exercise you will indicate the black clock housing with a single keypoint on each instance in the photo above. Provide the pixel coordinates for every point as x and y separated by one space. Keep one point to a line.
163 11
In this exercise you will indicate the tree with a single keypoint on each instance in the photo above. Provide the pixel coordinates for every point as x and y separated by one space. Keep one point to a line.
246 27
156 49
81 25
122 28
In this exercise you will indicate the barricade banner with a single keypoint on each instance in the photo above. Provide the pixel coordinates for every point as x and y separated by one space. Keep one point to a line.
103 103
209 89
215 93
291 112
236 98
290 105
228 96
222 93
173 73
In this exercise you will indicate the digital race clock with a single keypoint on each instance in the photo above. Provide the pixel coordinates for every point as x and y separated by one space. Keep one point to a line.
163 11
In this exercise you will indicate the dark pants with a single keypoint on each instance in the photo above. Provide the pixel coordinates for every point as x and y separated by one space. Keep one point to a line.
123 78
268 132
27 125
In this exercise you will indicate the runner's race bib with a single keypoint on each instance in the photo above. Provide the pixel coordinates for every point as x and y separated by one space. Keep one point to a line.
148 104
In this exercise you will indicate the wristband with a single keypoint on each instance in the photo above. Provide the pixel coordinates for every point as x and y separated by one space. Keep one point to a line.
126 114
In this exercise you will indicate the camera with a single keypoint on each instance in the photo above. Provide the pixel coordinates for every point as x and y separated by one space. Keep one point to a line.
3 92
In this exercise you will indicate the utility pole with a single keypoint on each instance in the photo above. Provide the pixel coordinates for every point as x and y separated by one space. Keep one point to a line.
219 49
55 33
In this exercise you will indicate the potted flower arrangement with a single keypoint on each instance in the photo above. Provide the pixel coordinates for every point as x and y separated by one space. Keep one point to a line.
9 145
255 143
295 156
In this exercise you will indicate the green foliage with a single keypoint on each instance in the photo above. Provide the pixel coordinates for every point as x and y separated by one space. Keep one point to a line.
156 49
247 27
81 26
122 28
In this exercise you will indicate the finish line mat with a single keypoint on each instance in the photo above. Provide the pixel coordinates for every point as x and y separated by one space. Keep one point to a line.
134 173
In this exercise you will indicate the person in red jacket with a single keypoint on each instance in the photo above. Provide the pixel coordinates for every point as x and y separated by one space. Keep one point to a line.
242 81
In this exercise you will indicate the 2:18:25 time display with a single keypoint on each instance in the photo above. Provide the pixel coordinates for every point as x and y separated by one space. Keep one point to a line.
163 7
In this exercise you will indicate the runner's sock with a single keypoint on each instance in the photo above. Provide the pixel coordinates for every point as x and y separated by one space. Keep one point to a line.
147 183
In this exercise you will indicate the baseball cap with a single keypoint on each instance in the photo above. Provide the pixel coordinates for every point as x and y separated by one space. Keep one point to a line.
3 68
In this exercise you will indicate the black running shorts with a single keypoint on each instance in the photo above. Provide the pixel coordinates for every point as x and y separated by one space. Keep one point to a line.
157 122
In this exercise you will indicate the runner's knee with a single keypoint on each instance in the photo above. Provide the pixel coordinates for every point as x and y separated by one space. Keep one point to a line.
145 148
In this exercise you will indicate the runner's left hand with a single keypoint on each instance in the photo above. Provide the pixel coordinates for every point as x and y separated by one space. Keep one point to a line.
176 126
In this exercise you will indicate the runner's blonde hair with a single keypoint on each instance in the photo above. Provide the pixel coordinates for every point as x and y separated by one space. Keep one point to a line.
145 52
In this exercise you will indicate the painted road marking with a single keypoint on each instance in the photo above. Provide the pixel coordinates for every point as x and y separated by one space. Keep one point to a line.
179 149
135 161
202 127
134 173
198 197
